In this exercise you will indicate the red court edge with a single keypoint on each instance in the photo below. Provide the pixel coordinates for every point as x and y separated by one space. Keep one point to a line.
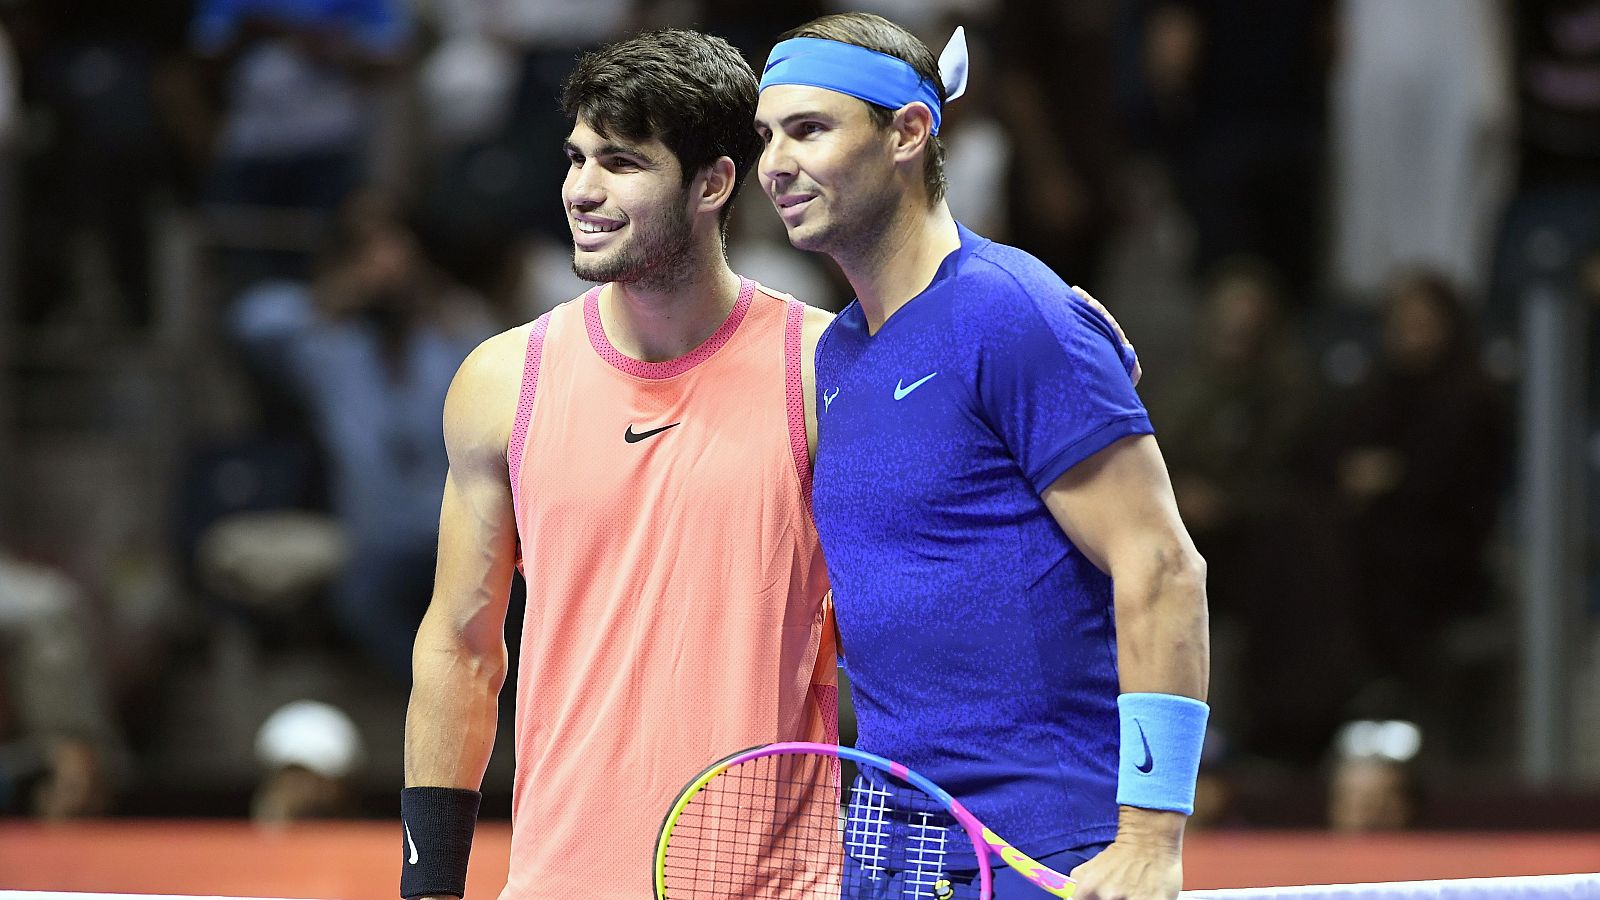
359 860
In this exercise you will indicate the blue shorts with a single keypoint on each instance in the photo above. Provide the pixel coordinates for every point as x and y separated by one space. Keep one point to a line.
1007 884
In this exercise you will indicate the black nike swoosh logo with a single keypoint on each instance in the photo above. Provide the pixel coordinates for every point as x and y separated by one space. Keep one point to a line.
633 437
1149 761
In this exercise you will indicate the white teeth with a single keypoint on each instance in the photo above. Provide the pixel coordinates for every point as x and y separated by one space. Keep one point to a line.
592 228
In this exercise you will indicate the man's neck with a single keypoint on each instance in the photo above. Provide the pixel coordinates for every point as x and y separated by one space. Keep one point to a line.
903 259
659 323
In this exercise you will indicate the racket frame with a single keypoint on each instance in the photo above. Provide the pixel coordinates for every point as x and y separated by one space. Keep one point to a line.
984 841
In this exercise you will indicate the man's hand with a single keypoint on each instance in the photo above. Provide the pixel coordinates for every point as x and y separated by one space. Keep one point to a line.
1144 863
1097 306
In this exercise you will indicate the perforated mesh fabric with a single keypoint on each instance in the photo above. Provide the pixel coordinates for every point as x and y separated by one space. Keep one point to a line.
675 587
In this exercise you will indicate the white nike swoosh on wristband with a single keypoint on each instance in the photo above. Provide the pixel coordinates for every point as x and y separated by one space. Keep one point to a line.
412 844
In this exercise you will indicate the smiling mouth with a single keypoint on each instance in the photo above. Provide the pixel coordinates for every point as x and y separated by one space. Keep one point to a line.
595 228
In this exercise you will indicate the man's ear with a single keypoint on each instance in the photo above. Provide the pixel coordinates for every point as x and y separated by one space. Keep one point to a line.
716 182
913 129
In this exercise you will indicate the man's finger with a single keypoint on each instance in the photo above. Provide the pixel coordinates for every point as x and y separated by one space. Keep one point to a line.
1138 371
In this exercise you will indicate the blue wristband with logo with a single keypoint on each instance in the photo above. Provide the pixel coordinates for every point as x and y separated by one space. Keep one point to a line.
1161 739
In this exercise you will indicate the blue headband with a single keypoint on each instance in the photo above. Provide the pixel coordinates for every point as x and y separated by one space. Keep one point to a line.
864 74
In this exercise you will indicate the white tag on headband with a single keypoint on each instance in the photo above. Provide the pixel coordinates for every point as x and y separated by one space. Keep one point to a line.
953 65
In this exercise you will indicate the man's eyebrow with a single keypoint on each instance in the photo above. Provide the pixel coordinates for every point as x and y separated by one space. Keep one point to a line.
626 150
793 117
612 149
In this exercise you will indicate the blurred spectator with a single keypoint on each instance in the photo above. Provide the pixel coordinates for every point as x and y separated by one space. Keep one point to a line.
752 27
310 752
1230 95
1233 418
1052 89
10 90
1375 784
924 18
271 562
1422 457
1553 225
10 127
298 102
370 348
1558 77
98 157
1233 423
1422 138
58 740
497 183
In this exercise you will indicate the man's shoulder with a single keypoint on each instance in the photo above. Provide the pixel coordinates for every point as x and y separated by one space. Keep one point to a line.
496 360
1001 286
816 321
1010 272
482 403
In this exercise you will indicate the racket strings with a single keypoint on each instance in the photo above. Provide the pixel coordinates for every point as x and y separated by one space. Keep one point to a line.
774 828
867 828
766 829
929 836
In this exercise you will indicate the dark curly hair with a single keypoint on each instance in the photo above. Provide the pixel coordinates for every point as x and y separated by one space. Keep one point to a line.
693 92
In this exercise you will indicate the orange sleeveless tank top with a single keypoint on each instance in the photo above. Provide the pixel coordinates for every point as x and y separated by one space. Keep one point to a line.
675 584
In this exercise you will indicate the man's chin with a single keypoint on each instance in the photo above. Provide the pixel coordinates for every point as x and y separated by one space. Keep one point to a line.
808 238
598 268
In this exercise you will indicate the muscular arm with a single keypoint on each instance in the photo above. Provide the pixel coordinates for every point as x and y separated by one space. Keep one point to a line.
459 661
1117 507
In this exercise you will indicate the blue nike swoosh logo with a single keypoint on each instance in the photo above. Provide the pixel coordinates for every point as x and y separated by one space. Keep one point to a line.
900 391
1149 761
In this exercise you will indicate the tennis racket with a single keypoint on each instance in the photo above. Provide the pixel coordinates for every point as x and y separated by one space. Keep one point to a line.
775 823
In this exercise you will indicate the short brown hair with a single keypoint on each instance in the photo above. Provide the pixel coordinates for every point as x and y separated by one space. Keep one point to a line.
877 33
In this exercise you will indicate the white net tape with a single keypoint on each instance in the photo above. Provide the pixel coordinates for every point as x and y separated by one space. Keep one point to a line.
1539 887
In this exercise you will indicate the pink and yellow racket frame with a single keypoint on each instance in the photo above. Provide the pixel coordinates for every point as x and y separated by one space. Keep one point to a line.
984 841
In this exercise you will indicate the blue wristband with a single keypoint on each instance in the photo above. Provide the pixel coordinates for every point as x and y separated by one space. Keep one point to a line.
1161 739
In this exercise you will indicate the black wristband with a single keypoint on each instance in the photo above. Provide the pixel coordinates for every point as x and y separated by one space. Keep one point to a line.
438 824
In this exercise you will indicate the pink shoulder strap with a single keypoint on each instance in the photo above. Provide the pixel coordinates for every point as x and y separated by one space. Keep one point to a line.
519 430
795 391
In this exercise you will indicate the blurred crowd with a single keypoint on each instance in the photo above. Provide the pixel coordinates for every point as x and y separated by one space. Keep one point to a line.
247 242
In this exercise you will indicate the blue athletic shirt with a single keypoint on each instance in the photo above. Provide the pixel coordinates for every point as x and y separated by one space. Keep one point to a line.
979 641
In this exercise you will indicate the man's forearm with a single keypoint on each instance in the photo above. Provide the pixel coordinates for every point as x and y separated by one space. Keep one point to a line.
1163 639
450 722
1163 647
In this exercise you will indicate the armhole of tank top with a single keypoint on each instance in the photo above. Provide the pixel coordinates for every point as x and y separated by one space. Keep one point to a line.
795 392
519 428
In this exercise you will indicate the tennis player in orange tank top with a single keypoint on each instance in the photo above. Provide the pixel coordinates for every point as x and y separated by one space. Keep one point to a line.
643 452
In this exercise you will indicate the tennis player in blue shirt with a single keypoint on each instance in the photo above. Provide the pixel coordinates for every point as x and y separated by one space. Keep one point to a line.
1022 612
